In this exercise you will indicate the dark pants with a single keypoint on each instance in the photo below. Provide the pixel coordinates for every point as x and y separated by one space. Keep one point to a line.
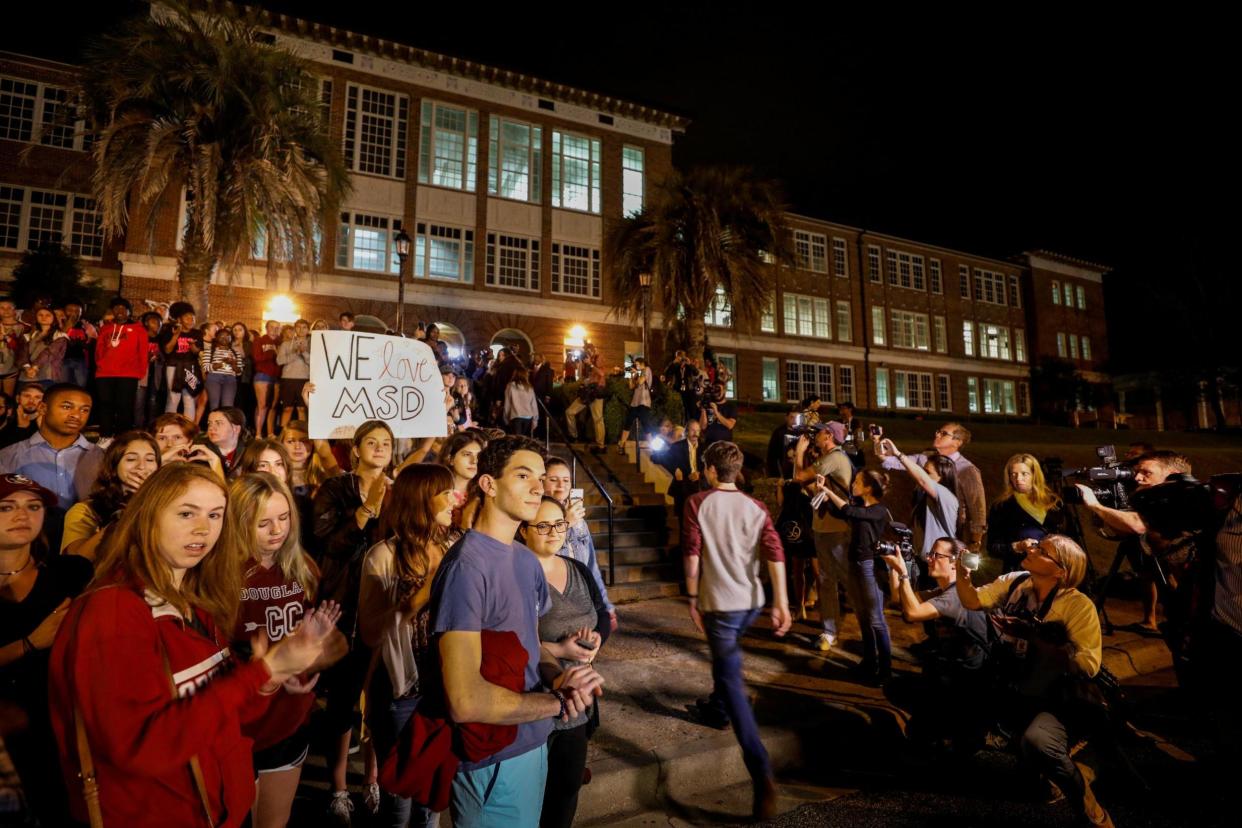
877 645
33 751
114 400
1045 746
724 638
567 754
521 426
690 403
386 719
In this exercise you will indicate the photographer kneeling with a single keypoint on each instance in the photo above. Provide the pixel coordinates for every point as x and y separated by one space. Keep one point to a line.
1049 647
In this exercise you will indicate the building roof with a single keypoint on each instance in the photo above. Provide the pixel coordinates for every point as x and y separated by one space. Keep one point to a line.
459 67
1069 260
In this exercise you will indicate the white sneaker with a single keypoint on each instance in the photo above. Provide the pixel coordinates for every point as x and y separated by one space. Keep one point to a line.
341 808
371 797
824 642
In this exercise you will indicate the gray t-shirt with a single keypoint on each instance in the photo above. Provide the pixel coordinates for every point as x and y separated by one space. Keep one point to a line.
963 634
939 518
569 612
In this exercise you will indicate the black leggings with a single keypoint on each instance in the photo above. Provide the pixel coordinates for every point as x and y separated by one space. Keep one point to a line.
114 400
567 751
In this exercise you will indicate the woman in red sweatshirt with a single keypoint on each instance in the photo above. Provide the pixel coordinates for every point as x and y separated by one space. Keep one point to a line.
141 672
278 590
120 361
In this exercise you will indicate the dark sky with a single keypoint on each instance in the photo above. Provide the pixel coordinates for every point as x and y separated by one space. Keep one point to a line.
1103 138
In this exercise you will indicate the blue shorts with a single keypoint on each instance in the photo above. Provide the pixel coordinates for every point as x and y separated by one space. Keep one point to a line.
508 794
261 377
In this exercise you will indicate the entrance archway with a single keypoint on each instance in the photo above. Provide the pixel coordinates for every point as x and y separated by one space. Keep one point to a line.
518 343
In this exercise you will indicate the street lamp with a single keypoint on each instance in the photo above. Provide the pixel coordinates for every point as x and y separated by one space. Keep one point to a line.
644 280
402 242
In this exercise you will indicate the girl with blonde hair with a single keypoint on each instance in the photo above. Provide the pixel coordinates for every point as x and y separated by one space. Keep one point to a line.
1026 511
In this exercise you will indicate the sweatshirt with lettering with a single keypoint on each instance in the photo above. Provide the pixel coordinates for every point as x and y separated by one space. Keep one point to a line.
109 662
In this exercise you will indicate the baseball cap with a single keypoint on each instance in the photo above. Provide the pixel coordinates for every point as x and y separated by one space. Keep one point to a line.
837 430
13 483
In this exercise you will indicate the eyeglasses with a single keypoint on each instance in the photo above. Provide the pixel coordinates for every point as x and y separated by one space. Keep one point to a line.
940 432
544 528
1054 557
931 556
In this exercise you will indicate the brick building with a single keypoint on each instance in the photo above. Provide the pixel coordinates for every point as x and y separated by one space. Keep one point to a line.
507 182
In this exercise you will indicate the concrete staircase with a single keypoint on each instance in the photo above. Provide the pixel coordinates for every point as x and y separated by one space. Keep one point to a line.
643 568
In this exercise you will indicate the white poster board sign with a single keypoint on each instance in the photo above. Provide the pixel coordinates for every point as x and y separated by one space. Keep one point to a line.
363 376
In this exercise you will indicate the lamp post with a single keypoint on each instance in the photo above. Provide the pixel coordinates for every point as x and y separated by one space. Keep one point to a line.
644 280
402 242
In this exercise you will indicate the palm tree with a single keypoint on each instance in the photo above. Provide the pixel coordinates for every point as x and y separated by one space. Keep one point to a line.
200 100
705 229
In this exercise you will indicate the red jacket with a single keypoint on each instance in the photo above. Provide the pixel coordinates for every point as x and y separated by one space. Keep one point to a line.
127 357
108 661
263 352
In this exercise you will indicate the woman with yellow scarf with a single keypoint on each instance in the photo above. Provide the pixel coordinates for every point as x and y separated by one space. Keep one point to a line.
1025 512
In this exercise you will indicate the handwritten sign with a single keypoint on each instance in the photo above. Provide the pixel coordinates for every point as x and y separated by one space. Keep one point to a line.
362 376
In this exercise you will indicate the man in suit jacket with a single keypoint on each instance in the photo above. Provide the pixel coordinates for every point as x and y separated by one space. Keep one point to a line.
685 458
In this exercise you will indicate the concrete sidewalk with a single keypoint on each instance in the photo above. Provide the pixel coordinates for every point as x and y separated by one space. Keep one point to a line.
649 754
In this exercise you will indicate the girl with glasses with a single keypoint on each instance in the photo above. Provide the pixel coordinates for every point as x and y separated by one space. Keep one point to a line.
572 631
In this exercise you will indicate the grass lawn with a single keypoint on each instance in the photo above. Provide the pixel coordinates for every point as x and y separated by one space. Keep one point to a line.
994 443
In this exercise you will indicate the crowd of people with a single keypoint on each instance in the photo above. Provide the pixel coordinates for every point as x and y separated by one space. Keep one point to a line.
190 607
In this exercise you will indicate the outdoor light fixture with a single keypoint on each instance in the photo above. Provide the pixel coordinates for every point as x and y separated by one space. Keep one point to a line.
280 308
402 243
657 444
577 332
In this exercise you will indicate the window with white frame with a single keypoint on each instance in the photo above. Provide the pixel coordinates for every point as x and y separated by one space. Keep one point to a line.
802 379
989 287
1086 348
999 397
771 379
933 275
86 231
905 270
912 389
944 393
993 341
448 146
46 218
767 319
575 172
909 330
365 242
728 362
940 335
1024 399
632 171
1073 346
720 311
878 325
1082 297
512 261
376 123
1069 294
443 253
968 338
811 251
881 388
1015 295
840 259
807 316
39 113
972 395
575 270
873 263
1019 345
514 159
845 322
12 203
1056 292
845 382
1061 345
29 218
963 279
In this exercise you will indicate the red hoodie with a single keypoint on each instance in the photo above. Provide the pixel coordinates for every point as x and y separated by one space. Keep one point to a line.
121 351
108 662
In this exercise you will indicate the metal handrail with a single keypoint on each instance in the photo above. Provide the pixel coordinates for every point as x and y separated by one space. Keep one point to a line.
573 470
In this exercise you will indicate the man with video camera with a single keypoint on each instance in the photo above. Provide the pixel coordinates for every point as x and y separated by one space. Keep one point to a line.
1150 469
717 417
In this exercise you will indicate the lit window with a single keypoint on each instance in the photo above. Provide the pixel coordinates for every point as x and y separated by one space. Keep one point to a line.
365 243
845 322
1086 348
993 341
514 159
811 251
909 330
877 325
1019 344
968 338
1082 297
1056 292
999 397
845 382
1069 294
771 379
720 312
990 287
1060 345
881 388
444 253
1073 346
972 395
940 335
807 316
632 170
375 131
767 320
912 390
512 262
575 270
448 146
575 172
728 362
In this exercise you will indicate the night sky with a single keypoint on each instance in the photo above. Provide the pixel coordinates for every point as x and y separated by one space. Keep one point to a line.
1102 138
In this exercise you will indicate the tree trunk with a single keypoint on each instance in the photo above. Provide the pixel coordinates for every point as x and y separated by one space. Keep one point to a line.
194 274
696 333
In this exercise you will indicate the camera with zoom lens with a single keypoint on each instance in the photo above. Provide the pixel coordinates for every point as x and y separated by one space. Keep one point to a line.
903 545
711 393
1110 480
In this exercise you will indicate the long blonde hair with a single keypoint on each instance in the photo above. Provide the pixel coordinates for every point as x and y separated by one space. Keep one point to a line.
130 551
1041 495
248 497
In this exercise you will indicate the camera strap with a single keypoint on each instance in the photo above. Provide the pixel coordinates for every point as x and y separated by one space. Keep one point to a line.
1044 607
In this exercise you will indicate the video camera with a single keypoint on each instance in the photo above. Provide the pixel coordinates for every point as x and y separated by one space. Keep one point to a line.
798 428
1109 480
903 545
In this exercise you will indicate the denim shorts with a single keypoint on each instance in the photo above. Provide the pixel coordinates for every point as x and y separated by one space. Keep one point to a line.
261 377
